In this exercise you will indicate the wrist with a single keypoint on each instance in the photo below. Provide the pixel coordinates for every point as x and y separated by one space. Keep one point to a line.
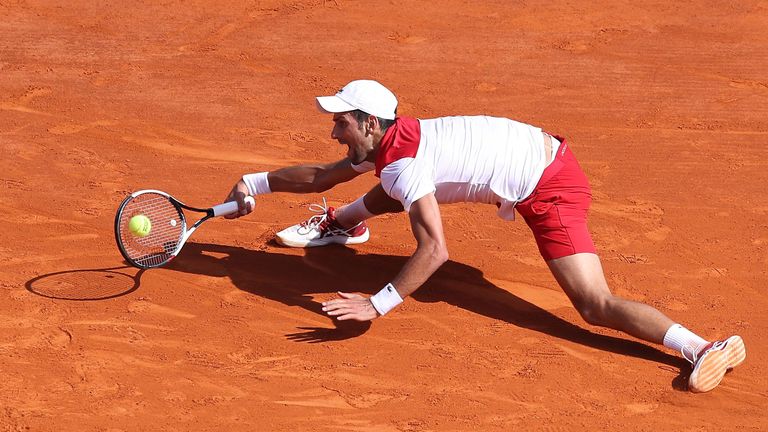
386 299
257 183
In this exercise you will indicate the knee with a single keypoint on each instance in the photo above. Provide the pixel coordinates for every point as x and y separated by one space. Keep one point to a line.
596 311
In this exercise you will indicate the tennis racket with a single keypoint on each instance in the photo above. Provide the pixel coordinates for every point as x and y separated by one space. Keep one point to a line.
156 246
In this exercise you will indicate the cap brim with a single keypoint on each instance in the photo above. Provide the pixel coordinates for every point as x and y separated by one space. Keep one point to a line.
332 104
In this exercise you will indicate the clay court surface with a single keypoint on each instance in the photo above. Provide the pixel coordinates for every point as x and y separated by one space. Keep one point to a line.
666 107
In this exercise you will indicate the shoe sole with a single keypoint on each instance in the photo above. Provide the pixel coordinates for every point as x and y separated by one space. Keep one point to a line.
710 369
323 241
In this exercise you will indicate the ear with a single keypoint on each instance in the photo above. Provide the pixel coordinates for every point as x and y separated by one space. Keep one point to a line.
371 123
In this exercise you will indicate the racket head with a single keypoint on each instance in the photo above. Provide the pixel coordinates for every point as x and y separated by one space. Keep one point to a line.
165 237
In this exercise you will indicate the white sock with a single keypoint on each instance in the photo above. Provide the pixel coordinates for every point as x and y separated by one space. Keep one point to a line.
353 213
678 337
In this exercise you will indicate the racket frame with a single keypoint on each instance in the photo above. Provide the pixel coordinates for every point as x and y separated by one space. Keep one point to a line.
218 210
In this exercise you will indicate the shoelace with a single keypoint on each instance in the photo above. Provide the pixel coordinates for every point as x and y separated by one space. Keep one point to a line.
320 222
316 222
695 351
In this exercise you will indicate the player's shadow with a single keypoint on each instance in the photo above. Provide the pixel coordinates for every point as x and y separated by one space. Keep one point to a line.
292 280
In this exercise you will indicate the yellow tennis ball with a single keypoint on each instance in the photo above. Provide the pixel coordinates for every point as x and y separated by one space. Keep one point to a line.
140 225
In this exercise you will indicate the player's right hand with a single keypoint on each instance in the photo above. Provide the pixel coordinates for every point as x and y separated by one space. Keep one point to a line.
238 193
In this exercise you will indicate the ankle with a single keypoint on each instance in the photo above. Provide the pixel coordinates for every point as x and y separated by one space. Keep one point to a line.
341 219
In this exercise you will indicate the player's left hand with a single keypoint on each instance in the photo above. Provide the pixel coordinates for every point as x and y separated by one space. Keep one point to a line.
350 307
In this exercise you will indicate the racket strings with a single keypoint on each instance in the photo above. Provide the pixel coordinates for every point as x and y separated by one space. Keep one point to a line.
167 228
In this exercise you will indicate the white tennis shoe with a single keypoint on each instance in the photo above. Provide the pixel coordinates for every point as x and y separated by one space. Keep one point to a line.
322 229
712 362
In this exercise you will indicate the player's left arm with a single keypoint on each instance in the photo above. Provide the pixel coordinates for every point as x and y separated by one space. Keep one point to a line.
431 252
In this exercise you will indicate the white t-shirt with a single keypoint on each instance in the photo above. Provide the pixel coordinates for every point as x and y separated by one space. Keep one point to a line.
462 159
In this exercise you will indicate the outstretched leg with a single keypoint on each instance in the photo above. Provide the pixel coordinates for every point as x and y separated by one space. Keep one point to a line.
581 277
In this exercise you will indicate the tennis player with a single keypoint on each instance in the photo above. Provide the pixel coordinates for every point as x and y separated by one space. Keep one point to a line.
514 166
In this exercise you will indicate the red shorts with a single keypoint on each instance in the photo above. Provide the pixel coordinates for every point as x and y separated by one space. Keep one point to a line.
556 211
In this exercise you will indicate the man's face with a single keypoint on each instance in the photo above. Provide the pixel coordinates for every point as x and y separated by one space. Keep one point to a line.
347 131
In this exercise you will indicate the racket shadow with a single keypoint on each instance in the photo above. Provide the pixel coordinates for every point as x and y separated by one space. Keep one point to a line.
86 284
295 281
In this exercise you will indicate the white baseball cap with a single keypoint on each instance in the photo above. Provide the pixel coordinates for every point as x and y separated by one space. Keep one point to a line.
365 95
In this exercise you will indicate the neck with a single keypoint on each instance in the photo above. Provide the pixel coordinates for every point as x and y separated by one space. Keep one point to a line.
377 136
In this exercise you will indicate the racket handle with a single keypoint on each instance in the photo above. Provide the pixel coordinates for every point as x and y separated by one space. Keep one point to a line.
230 207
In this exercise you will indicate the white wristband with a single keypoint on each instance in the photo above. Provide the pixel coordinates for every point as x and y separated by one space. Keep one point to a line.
386 299
257 183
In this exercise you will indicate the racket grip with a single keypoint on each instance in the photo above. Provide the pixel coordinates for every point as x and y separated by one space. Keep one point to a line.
230 207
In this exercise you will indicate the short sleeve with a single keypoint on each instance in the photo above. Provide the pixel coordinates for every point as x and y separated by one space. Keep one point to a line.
406 180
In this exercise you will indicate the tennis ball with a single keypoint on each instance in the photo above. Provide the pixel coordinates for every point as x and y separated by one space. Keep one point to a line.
140 225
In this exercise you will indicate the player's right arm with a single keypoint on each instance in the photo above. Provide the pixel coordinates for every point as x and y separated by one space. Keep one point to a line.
311 178
308 178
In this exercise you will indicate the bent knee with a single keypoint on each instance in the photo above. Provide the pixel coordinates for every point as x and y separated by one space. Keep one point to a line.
596 311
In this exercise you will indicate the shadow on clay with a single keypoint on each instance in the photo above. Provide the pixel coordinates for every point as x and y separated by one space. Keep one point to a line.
86 284
294 280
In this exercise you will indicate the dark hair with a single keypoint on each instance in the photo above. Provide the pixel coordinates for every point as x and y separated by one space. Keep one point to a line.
362 116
